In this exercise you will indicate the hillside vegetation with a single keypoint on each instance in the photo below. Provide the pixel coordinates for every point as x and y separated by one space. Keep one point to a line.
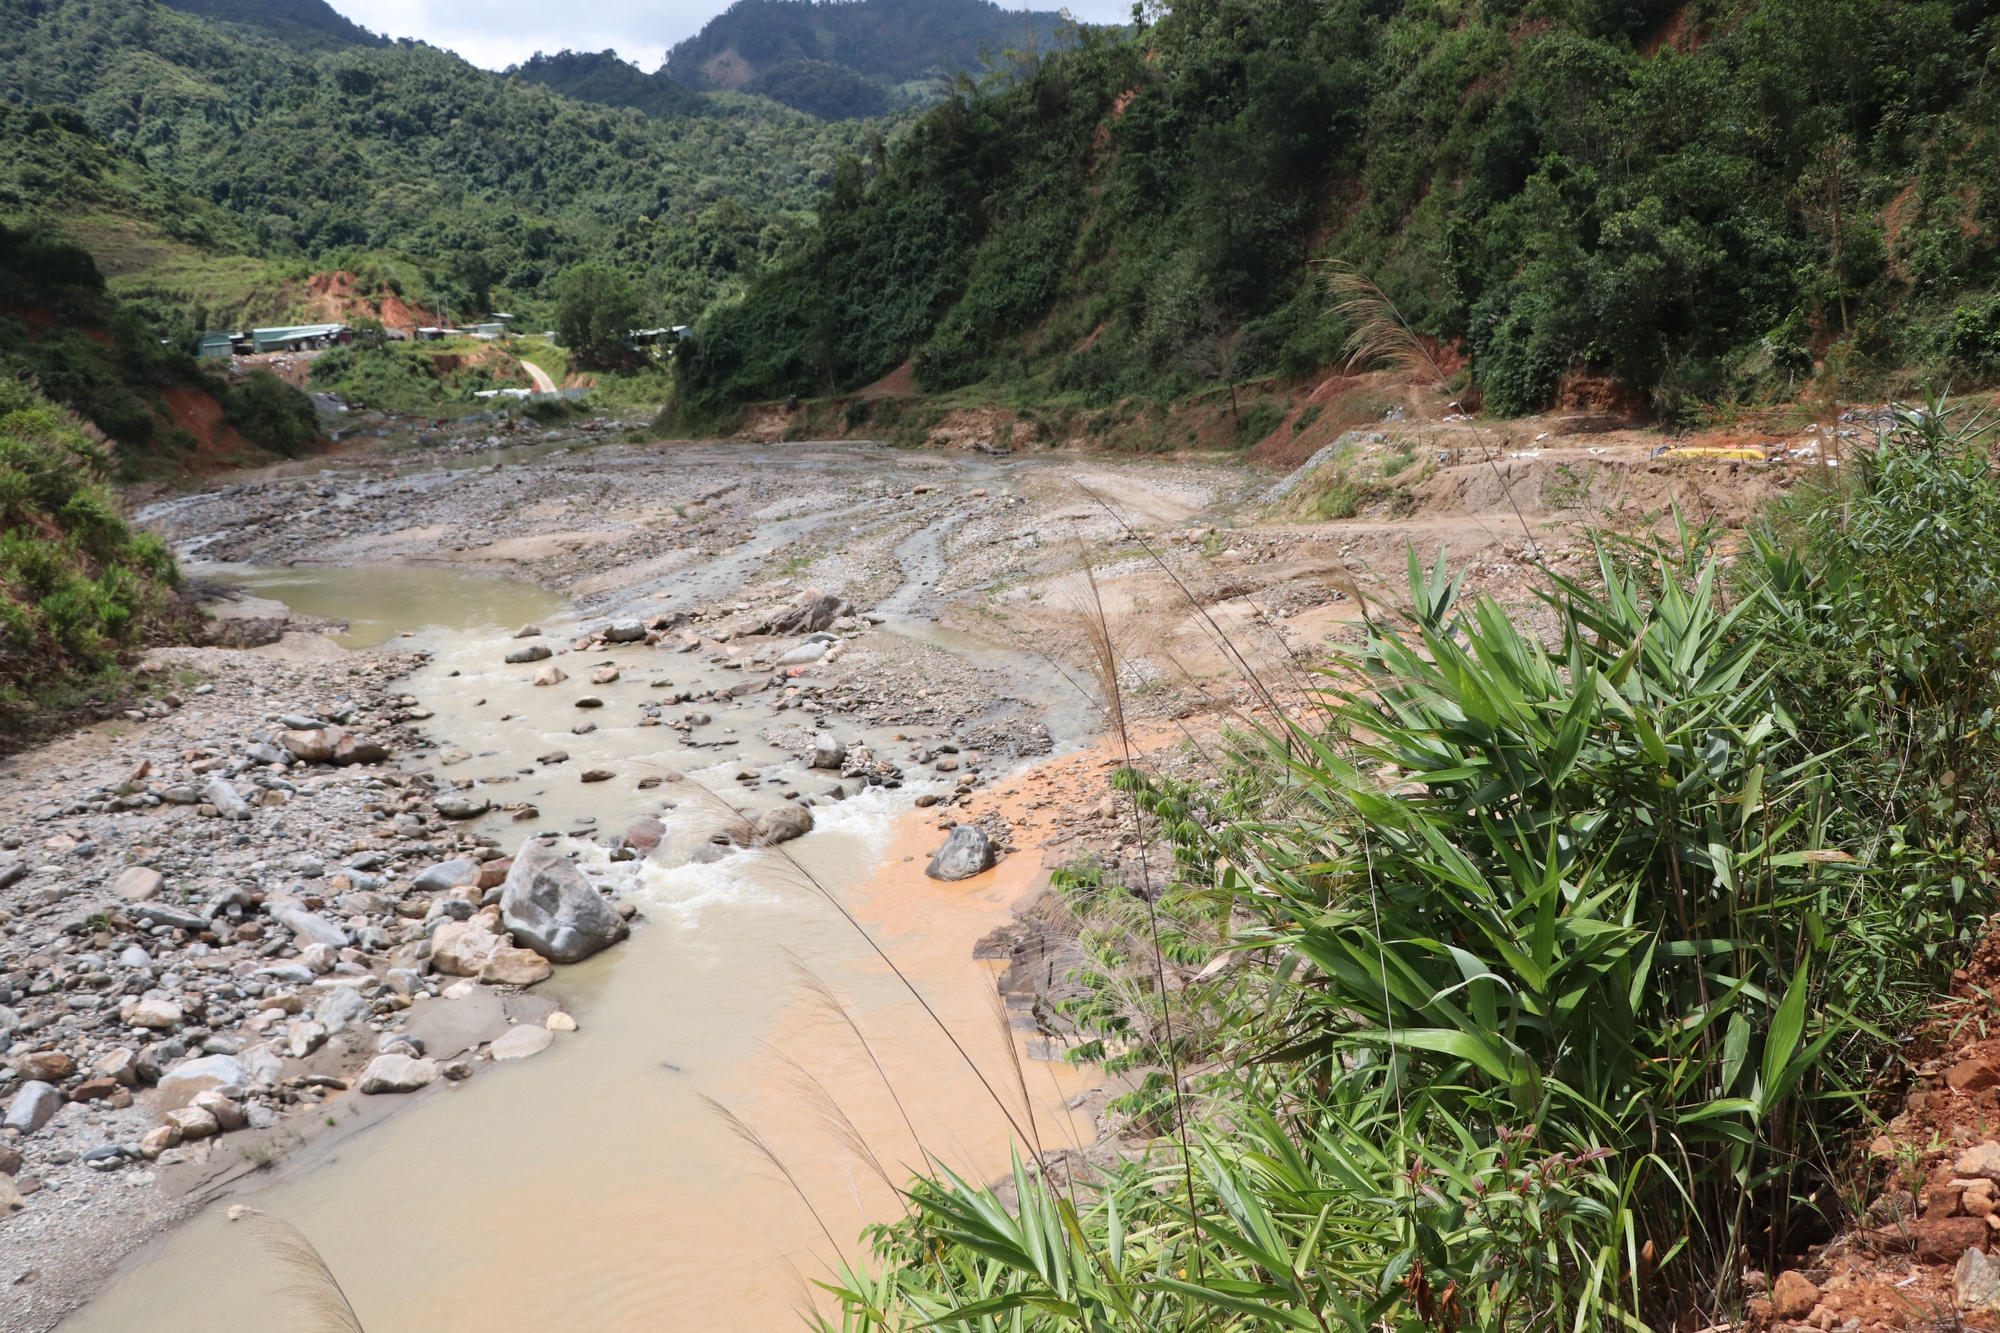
1687 206
487 186
891 42
605 78
62 330
1542 979
306 24
76 584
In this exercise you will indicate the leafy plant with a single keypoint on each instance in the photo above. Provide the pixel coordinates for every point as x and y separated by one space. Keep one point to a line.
76 584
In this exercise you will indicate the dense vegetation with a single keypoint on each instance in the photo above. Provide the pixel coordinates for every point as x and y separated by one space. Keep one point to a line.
910 44
489 186
97 356
819 88
76 584
605 78
834 59
1701 204
309 25
1528 988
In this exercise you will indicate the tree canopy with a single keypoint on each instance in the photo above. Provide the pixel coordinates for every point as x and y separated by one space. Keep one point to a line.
1693 204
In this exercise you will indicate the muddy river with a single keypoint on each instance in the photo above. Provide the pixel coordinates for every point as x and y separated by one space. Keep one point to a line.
592 1187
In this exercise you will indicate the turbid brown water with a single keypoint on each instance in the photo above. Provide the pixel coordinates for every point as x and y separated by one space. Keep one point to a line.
591 1187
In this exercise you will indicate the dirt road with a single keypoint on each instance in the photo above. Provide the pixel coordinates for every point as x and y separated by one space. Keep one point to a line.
543 384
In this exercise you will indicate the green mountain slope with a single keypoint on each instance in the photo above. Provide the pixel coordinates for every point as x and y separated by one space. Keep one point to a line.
63 330
894 41
1696 204
77 586
605 78
837 60
308 25
490 185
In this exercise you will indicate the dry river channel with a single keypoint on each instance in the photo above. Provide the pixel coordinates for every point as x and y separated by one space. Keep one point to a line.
594 1186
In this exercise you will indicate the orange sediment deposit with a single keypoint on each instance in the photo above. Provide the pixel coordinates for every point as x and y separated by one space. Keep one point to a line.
927 928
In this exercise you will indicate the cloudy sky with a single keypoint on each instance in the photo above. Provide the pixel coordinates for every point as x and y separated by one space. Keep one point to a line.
498 33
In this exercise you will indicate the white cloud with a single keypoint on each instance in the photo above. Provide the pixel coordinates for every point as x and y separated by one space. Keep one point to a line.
498 33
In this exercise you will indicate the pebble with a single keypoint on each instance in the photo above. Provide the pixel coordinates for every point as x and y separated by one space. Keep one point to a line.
138 883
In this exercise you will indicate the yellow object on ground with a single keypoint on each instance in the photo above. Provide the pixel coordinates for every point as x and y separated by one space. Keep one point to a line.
1748 452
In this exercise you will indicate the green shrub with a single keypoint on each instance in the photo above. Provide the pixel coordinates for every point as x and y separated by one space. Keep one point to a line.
1974 339
269 412
1257 420
76 584
551 411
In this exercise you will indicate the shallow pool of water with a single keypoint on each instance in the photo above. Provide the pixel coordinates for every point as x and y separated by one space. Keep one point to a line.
381 602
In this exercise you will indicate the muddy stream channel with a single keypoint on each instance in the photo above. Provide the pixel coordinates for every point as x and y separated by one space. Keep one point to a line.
590 1187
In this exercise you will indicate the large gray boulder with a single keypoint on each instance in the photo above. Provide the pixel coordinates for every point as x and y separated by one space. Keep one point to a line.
552 909
828 751
339 1006
812 650
783 823
159 914
397 1073
534 652
187 1080
813 612
965 853
461 807
33 1106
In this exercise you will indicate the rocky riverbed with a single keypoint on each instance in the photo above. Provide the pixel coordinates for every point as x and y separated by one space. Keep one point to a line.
267 898
214 924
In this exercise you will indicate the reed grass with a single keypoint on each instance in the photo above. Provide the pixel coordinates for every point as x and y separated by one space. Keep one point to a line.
319 1305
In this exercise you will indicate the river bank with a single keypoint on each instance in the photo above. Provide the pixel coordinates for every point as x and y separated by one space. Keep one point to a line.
459 698
709 614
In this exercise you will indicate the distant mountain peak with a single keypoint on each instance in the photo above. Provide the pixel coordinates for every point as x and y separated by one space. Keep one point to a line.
888 41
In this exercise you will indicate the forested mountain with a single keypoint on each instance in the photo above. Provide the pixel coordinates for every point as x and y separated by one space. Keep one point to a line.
489 185
1695 202
605 78
834 59
827 91
309 25
891 41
